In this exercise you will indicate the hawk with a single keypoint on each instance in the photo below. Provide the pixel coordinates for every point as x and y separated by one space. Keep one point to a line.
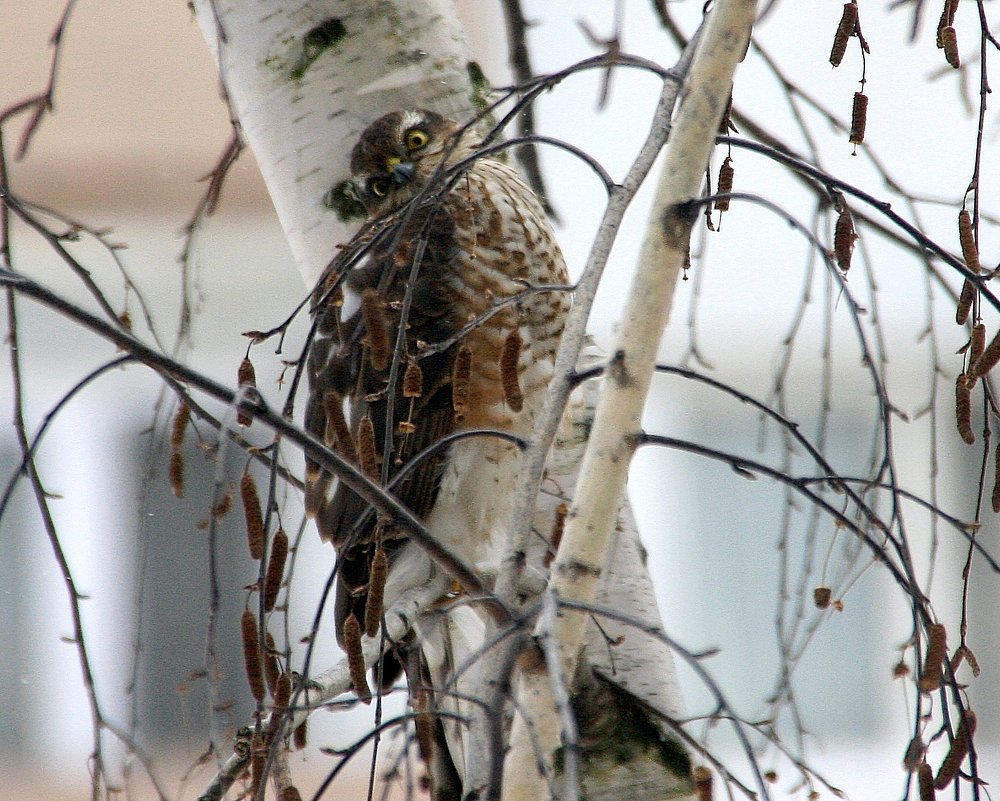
444 324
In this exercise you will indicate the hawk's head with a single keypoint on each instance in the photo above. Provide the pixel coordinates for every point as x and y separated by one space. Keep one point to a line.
398 153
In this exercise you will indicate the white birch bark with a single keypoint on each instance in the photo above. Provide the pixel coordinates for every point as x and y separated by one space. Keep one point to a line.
579 564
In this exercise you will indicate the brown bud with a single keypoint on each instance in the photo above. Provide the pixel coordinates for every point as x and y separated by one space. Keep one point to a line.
509 375
413 381
958 751
275 568
821 597
949 41
377 574
246 376
176 473
937 652
460 378
356 658
290 792
726 175
254 517
859 118
844 238
378 334
845 30
367 452
251 654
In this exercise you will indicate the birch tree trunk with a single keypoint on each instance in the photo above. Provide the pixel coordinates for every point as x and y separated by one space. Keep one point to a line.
539 733
303 80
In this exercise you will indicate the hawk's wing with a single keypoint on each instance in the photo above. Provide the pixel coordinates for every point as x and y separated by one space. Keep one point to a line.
351 365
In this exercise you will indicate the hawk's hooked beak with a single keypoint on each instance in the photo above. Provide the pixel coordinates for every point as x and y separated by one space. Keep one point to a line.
400 171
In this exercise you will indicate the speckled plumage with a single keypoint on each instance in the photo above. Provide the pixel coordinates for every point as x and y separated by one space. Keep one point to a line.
484 240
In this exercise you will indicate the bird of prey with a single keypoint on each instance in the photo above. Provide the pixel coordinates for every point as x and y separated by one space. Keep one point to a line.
442 326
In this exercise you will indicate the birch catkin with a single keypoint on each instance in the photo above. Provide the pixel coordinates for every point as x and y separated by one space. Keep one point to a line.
282 695
378 335
275 569
949 41
845 30
987 361
844 237
967 239
963 409
970 254
859 118
937 646
251 654
176 473
925 782
180 424
377 574
424 724
977 342
509 378
272 668
413 381
246 376
965 302
727 174
253 515
367 453
946 21
301 735
356 658
958 752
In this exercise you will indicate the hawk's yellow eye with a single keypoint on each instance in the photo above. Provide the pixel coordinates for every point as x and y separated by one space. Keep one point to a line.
378 186
416 139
